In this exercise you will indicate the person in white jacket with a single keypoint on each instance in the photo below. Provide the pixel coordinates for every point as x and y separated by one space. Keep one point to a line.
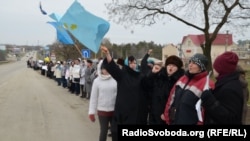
57 72
102 101
76 77
70 78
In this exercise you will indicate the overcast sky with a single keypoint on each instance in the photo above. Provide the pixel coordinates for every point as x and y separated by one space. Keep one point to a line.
22 23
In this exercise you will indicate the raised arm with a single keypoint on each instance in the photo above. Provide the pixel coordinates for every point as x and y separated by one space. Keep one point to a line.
144 62
106 52
112 67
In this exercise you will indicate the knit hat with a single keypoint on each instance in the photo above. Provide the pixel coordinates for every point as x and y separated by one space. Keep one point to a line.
200 60
226 63
173 59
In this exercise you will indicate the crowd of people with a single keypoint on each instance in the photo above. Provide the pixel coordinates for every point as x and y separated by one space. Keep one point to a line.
124 92
76 75
166 94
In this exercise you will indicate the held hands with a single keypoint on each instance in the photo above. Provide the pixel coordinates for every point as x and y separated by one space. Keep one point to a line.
92 117
156 68
206 86
106 52
163 117
206 90
104 49
150 51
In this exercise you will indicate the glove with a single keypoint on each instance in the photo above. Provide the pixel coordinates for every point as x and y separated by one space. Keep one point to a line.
156 69
92 117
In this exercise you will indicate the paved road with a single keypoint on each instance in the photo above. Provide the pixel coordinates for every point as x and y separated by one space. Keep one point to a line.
34 108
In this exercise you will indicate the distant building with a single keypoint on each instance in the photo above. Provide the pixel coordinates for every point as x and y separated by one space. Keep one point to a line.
191 44
243 52
16 50
170 49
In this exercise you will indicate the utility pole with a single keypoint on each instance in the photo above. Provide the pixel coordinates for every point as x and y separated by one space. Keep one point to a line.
181 53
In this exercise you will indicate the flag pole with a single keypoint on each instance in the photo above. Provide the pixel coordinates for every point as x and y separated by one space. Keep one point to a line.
78 49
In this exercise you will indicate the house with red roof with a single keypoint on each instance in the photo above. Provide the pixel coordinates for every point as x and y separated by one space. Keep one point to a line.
191 44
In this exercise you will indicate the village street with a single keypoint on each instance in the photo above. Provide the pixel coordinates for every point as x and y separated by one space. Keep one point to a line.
34 108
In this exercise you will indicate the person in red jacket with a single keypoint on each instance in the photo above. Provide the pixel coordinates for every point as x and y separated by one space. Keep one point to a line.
183 105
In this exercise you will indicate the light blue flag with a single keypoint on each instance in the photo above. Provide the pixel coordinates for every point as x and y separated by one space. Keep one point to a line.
55 17
84 26
62 34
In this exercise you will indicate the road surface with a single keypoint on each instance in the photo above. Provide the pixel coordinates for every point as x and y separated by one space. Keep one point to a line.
34 108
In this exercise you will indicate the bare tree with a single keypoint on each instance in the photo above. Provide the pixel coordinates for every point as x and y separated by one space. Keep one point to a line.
207 16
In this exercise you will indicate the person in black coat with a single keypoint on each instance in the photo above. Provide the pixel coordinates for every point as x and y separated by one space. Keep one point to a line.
130 105
146 67
160 82
224 104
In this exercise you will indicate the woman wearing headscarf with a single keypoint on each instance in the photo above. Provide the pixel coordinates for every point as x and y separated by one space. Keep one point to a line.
224 104
160 82
183 105
130 106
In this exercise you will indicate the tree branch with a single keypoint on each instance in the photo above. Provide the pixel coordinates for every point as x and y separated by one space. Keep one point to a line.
167 13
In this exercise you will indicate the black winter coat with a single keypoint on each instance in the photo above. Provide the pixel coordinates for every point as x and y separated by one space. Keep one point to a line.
160 85
131 105
224 105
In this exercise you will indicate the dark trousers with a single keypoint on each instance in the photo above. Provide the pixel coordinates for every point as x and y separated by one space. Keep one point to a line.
83 90
42 72
72 87
59 80
77 88
64 82
104 122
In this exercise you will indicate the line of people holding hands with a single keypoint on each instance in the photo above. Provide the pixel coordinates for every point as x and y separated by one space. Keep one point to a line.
166 94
